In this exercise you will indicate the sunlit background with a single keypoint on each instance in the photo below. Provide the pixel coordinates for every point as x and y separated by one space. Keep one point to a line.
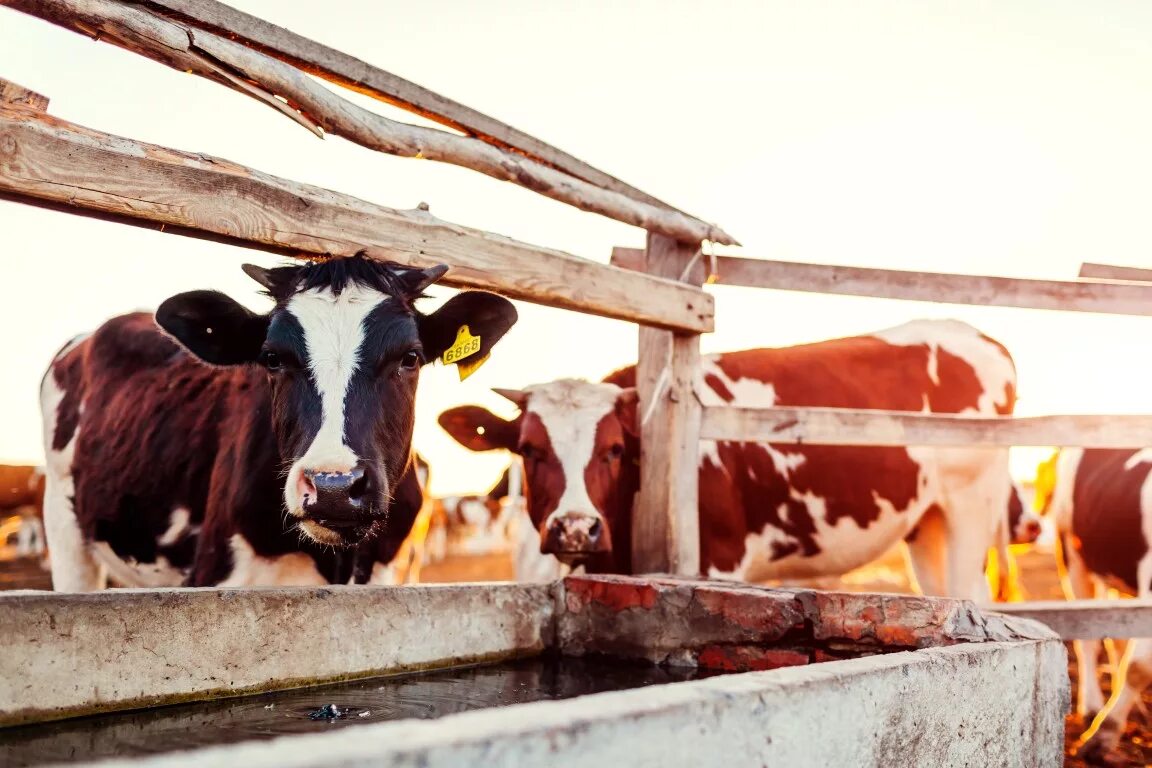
1009 138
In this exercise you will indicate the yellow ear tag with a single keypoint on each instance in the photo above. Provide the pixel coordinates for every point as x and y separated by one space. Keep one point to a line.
470 367
464 347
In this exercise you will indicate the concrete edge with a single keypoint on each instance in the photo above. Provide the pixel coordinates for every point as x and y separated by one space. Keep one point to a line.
611 725
127 649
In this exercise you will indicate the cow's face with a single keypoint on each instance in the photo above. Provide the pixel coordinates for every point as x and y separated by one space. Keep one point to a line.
579 444
342 348
1023 524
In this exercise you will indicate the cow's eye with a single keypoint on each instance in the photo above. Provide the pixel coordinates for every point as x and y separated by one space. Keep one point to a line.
271 360
529 452
410 360
615 451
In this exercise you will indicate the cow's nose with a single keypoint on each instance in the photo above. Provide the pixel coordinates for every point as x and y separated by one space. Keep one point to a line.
576 533
328 494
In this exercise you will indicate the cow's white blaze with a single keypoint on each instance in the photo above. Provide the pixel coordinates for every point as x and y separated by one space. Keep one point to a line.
333 333
570 410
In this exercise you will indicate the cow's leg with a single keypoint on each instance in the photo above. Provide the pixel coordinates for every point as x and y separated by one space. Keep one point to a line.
1078 584
1128 682
976 487
74 567
927 548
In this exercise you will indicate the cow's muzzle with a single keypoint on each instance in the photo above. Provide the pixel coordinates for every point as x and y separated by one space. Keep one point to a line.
573 536
338 506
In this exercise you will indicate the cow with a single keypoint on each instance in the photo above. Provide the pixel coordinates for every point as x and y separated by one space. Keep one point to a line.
1100 503
501 514
22 495
211 445
770 512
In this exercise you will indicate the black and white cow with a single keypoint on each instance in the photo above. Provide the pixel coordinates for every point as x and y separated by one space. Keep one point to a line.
214 446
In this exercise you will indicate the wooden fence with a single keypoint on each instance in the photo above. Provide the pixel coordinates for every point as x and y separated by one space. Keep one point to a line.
49 162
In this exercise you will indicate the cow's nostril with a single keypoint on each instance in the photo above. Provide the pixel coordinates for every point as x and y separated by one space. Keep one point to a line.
359 488
305 487
594 530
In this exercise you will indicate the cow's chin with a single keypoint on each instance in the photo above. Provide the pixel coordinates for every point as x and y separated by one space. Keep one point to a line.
576 559
570 559
322 535
333 537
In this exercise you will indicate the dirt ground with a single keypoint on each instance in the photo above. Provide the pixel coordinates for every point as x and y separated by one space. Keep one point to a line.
1037 575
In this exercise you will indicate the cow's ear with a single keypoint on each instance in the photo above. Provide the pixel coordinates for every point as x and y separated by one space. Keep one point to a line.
469 325
628 411
478 429
213 327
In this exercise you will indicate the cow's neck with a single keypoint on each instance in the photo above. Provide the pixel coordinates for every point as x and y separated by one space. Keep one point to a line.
249 491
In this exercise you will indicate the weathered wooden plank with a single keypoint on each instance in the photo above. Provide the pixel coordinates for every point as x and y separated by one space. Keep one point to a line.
843 426
290 92
357 75
1086 619
49 161
1113 272
15 95
665 520
1071 296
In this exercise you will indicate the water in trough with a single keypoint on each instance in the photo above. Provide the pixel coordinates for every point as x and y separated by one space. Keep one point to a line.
426 695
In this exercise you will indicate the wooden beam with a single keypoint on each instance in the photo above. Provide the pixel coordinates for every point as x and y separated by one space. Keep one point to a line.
357 75
1086 619
1071 296
48 161
666 517
14 95
290 92
842 426
1112 272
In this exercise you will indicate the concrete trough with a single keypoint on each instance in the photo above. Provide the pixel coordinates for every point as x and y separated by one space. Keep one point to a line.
817 678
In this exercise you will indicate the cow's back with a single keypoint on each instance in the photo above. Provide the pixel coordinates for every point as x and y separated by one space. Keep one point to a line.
786 511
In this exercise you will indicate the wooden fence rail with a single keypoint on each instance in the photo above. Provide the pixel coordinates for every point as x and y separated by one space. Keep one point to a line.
290 92
45 160
1119 298
1086 619
359 76
846 426
1111 272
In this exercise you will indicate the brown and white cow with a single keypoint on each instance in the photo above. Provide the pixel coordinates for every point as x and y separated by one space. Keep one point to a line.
1101 507
212 445
780 511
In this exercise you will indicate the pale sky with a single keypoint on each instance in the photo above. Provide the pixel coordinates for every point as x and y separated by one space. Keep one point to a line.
1007 138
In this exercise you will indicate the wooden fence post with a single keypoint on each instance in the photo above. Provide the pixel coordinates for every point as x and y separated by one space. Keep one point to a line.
665 520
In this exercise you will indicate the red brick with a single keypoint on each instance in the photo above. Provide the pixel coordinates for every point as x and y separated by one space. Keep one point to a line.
748 658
